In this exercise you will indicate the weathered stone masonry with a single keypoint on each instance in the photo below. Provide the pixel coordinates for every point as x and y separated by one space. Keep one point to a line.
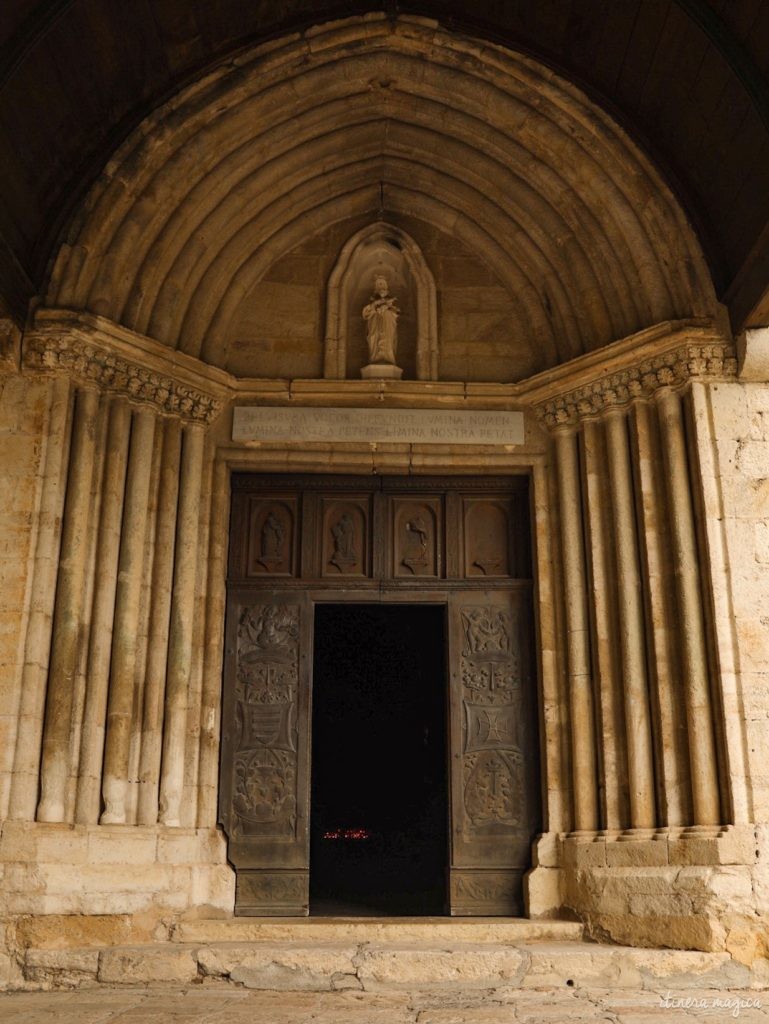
647 455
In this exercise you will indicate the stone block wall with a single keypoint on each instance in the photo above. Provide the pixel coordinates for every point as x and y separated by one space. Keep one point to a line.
731 424
681 888
155 872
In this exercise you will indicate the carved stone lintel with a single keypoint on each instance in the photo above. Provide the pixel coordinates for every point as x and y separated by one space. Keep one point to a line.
668 369
92 363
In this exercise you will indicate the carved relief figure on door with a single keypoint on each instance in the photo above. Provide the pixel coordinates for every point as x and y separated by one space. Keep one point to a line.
345 547
494 789
416 527
487 538
271 538
345 539
493 765
265 764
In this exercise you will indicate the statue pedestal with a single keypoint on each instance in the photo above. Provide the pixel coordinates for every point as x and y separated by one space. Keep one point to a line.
381 371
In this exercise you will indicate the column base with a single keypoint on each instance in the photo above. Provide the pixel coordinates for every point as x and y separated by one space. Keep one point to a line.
106 870
705 889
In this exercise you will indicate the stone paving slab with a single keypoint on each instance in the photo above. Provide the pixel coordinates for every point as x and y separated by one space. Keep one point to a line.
213 1004
374 968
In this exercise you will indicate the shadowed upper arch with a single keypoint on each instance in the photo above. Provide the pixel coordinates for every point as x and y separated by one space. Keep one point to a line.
481 143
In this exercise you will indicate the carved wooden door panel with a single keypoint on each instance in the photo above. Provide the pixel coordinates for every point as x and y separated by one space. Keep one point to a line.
265 763
459 542
493 748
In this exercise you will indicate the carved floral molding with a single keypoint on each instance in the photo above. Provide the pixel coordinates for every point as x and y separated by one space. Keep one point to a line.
90 357
673 368
95 350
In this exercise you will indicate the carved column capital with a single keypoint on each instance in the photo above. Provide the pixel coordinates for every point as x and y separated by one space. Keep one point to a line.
89 354
622 385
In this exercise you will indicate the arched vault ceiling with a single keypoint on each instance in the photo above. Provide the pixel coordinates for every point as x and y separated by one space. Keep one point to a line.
687 79
373 116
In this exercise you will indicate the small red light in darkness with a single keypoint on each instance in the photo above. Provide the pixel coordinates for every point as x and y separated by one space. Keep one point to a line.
347 833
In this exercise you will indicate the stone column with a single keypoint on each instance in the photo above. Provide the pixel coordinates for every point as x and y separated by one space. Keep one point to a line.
66 624
157 650
142 641
189 813
127 609
181 629
699 712
87 604
92 737
578 637
26 764
638 726
214 649
607 670
664 668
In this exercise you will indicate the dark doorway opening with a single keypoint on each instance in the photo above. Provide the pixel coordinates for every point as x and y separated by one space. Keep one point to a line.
379 811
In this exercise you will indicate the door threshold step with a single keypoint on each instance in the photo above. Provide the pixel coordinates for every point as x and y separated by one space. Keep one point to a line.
509 930
407 965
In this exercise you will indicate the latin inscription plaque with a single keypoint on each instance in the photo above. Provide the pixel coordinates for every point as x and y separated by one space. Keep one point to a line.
407 426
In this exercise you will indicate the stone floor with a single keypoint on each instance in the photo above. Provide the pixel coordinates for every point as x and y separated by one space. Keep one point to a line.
217 1005
377 971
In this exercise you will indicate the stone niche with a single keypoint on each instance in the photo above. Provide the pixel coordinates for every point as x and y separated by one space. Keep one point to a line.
282 325
381 249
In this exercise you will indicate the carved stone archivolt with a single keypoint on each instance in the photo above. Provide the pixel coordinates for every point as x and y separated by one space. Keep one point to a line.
493 764
264 792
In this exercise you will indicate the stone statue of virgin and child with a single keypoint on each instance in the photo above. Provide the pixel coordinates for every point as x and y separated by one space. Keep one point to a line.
381 315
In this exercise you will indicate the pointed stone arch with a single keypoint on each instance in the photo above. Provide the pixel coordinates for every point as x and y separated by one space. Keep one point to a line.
381 120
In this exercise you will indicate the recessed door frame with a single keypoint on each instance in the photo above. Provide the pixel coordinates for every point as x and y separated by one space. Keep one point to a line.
272 869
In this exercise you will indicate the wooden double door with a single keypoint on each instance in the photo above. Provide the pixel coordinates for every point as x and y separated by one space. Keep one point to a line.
460 543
